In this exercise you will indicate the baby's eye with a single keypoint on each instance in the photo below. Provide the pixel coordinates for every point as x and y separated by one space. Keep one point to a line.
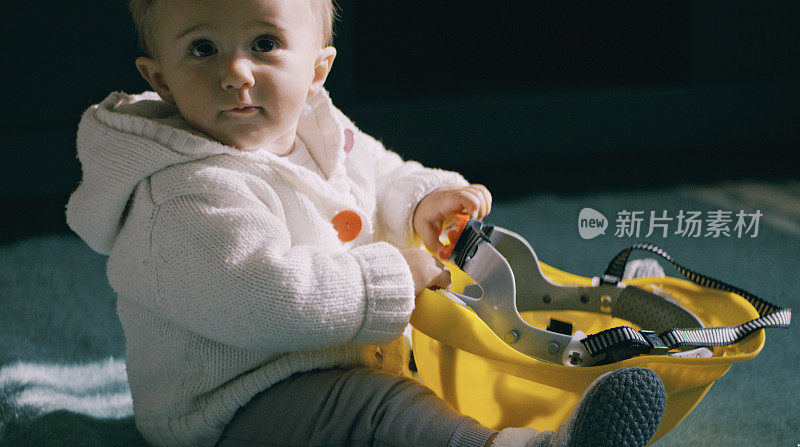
264 44
202 48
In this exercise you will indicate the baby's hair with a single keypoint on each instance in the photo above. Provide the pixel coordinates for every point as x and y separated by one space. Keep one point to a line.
324 16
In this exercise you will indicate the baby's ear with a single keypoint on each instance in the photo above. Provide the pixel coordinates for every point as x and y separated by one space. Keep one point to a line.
322 67
150 70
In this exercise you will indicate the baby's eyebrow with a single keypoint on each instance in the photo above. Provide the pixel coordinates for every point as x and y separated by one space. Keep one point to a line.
190 29
268 23
259 23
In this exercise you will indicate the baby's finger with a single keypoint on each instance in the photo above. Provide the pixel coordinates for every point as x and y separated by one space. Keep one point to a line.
442 281
481 211
470 201
431 239
486 199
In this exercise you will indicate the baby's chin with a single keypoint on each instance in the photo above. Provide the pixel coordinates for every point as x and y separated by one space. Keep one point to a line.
247 144
250 138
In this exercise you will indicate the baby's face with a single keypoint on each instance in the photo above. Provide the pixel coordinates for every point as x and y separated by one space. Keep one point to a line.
238 70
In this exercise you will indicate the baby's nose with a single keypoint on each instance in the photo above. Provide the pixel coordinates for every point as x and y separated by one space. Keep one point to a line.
237 74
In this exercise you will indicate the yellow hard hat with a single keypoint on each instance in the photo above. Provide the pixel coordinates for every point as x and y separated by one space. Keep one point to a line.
499 345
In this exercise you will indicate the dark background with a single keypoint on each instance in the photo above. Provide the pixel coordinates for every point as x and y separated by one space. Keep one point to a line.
521 95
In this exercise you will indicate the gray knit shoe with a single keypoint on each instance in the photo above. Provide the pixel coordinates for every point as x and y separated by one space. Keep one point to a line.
621 408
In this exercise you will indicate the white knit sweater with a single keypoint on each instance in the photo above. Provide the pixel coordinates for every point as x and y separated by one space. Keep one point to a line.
229 274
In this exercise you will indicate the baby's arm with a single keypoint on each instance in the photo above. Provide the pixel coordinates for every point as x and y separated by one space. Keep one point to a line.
226 270
401 185
414 201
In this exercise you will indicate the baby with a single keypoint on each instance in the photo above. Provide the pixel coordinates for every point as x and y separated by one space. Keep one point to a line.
266 253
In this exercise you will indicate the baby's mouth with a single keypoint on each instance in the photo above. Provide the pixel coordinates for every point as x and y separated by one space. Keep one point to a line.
244 110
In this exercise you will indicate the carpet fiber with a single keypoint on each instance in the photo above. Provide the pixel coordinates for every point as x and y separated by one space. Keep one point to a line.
62 376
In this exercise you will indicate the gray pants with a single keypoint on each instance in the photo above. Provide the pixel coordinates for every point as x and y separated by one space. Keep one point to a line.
357 407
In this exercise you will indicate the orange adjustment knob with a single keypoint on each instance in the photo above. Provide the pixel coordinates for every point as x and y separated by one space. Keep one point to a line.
450 234
348 224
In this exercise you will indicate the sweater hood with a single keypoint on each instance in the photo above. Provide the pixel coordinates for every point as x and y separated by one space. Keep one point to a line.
127 138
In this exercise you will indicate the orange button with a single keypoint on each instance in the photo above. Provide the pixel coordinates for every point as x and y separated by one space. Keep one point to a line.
348 224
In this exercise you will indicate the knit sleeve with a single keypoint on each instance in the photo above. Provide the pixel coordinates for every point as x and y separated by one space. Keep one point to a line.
400 185
229 273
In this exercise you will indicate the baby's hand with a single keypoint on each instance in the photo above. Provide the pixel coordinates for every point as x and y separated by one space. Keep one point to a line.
436 207
427 271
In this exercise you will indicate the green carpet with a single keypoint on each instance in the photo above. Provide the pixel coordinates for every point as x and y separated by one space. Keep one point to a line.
62 380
